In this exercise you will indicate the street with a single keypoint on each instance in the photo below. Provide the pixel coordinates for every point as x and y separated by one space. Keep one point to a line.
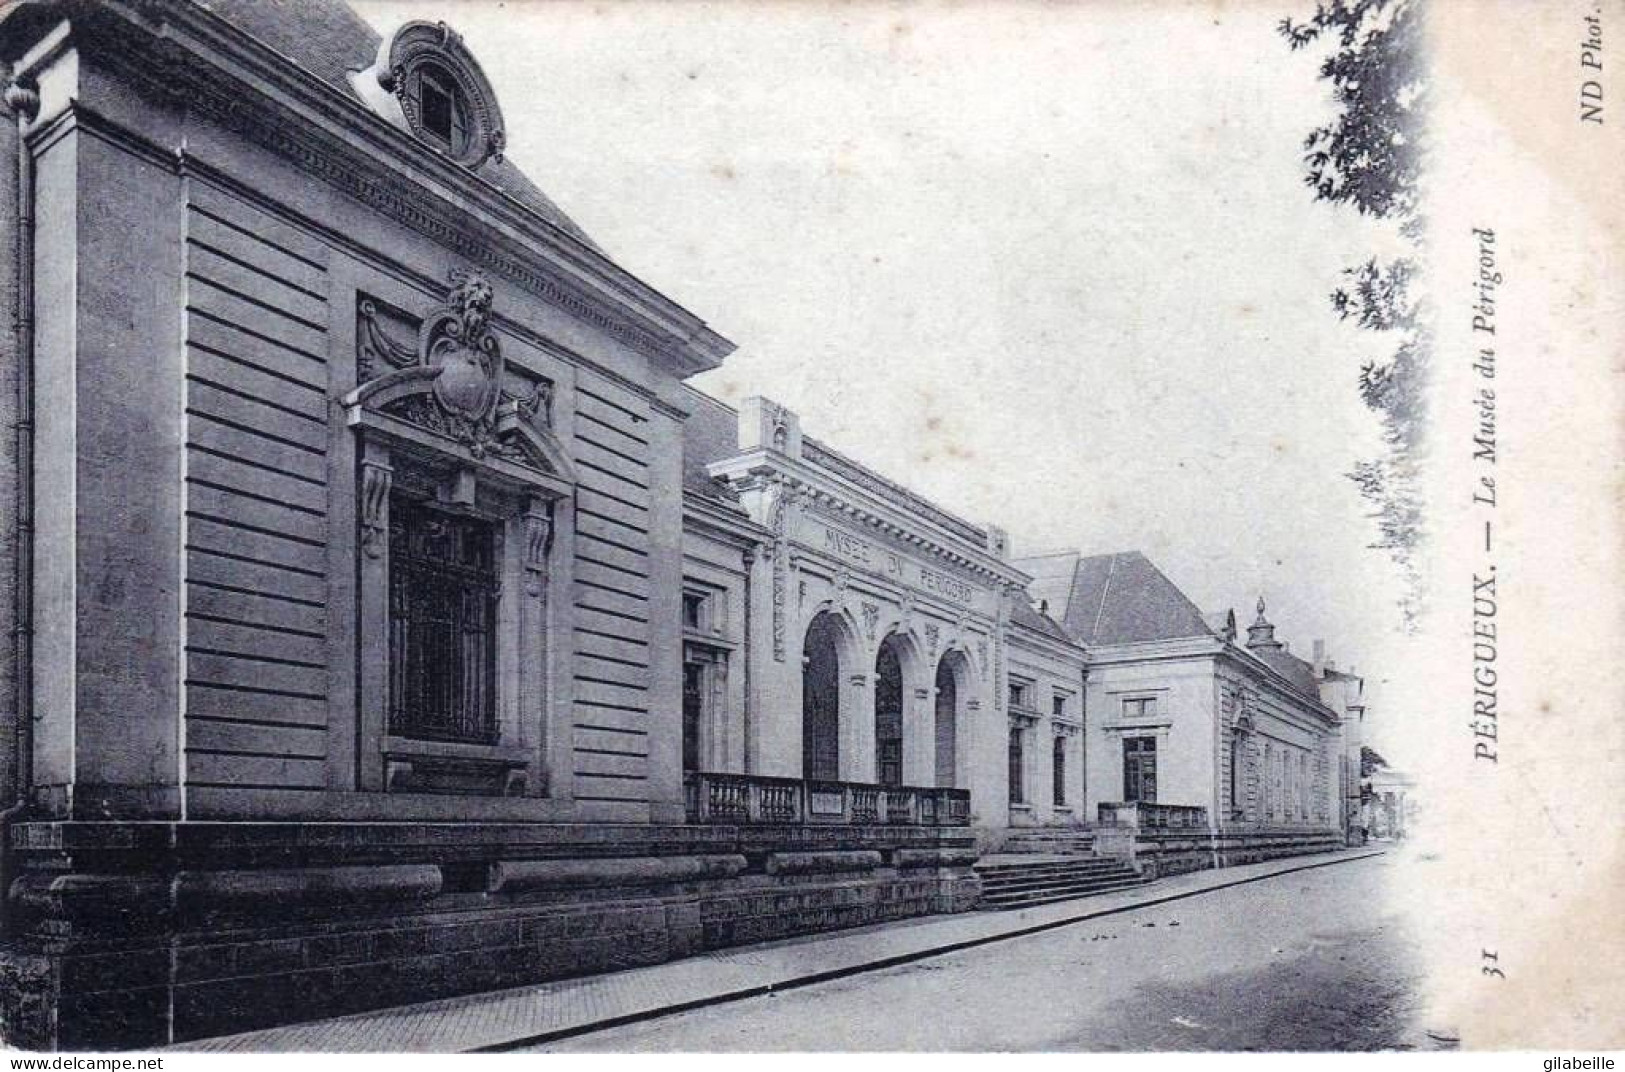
1312 960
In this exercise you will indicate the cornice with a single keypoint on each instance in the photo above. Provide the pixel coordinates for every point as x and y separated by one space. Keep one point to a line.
847 501
1196 647
827 457
700 512
1277 681
1033 640
194 59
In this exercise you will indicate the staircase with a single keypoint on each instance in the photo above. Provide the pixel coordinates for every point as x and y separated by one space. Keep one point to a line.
1024 879
1039 865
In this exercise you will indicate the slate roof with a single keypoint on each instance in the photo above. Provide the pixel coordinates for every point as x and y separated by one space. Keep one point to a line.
1301 674
710 433
1113 599
1029 618
328 40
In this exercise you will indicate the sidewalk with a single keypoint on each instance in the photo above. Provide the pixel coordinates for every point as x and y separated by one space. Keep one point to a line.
532 1014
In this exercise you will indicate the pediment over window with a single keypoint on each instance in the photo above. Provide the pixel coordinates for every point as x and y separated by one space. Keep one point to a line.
443 387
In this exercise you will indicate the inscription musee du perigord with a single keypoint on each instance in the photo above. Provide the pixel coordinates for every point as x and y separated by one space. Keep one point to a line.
1485 722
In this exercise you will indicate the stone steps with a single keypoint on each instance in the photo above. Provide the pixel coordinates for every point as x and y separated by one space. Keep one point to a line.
1013 885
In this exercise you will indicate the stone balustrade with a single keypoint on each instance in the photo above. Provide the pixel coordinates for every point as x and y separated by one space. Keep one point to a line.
1142 815
749 798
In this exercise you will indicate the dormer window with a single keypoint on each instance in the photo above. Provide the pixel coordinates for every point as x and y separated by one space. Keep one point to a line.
426 81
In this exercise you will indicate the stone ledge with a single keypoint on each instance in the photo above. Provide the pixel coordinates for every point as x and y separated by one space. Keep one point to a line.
957 857
518 876
240 890
807 863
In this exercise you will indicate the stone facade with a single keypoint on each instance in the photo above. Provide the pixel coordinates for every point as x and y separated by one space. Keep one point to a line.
311 377
391 619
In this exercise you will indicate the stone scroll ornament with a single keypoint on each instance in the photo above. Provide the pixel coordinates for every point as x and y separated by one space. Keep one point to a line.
459 353
457 339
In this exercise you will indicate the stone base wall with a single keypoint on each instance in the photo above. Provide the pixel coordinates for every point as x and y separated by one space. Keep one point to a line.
121 940
1177 852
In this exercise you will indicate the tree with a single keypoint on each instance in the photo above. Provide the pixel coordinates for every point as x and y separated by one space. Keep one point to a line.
1370 155
1371 761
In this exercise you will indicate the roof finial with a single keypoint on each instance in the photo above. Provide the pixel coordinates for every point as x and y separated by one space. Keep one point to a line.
1261 634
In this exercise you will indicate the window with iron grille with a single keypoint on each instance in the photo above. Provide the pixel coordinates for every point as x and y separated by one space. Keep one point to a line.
443 587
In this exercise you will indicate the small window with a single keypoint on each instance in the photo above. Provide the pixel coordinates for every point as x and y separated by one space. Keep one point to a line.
441 113
1018 694
1140 707
1058 705
693 610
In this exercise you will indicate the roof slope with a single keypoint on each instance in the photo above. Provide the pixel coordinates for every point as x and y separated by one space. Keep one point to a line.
327 39
1115 599
1025 616
1295 670
710 433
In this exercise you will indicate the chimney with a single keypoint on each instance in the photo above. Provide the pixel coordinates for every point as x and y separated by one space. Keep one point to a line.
1321 665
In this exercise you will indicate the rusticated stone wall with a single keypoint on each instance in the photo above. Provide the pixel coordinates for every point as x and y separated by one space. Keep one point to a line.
1176 852
128 936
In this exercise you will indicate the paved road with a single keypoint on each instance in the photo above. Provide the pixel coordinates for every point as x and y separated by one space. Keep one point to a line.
1307 961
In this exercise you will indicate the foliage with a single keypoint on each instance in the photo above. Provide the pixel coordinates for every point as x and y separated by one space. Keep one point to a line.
1370 155
1371 761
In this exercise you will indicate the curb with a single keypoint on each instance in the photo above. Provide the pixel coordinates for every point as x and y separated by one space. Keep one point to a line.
882 963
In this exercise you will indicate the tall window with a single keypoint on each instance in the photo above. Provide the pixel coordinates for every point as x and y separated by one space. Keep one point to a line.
1140 769
442 624
1058 770
1018 773
1237 743
693 712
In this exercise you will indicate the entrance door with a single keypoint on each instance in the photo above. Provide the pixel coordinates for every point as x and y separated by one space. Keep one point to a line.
889 714
1140 769
820 703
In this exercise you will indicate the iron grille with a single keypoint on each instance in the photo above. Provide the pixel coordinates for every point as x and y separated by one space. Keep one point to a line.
442 624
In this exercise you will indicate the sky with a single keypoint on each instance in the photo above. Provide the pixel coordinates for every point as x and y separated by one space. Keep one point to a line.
1052 266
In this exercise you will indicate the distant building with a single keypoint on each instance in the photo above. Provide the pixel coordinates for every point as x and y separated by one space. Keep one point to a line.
1181 712
1391 805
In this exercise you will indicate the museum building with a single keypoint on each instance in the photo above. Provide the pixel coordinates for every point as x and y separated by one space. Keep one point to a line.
393 621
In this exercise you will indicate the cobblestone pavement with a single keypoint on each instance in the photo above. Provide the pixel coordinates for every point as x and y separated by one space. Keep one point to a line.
1312 960
569 1006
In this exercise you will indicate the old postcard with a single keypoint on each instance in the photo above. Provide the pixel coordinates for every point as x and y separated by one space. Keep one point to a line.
647 528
